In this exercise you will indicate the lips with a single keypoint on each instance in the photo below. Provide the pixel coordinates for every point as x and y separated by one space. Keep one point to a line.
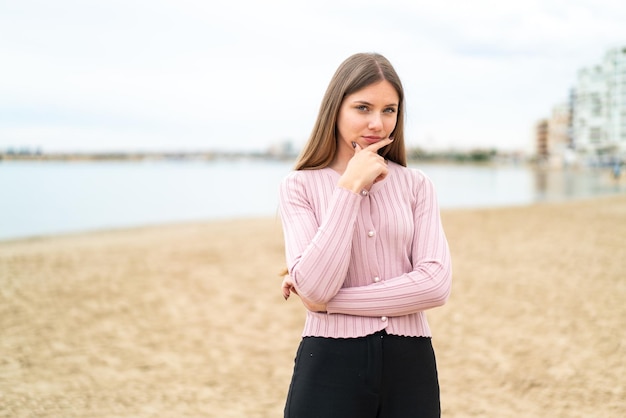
371 139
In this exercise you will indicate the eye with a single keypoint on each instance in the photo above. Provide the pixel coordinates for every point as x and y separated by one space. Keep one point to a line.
390 110
362 108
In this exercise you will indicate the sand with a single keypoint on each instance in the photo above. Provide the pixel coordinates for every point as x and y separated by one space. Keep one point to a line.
188 320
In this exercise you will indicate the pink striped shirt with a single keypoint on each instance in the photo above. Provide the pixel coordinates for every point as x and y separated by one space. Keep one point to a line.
378 259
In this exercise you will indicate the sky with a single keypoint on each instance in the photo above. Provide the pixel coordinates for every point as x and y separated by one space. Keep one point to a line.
244 75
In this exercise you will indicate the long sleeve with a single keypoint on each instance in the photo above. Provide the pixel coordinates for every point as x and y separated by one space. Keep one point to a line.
318 250
378 260
428 285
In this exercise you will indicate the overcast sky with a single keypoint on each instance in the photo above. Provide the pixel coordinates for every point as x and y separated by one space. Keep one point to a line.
80 75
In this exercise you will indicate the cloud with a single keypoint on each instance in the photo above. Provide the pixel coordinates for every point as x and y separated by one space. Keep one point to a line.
177 74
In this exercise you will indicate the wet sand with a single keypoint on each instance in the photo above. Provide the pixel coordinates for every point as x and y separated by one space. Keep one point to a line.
188 320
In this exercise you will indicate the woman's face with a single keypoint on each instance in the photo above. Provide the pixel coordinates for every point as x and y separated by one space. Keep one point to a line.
366 117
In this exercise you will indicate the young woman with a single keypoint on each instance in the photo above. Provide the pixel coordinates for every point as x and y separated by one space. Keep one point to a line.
366 254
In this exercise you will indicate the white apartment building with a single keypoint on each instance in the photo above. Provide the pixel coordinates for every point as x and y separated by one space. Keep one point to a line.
599 107
615 64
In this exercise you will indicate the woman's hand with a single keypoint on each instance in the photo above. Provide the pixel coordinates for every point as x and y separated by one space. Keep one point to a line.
365 168
287 288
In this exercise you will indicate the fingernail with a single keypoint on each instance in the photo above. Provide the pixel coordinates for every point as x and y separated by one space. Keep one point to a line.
391 138
353 144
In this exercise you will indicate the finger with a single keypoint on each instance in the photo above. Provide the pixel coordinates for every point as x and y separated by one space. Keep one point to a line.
380 144
356 147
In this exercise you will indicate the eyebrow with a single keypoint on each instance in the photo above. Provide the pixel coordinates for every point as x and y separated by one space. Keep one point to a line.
368 103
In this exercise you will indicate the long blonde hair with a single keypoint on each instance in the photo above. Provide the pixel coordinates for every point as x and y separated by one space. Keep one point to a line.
355 73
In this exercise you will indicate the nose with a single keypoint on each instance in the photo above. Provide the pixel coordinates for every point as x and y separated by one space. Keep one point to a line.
375 122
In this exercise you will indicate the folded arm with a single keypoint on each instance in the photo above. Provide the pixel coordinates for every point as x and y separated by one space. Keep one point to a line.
428 285
318 251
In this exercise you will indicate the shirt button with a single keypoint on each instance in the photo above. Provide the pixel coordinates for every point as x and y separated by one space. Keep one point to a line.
384 318
364 192
376 279
371 234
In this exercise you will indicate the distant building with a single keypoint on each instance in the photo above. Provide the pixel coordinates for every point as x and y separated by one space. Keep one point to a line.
615 65
559 135
558 128
553 141
589 121
541 139
599 108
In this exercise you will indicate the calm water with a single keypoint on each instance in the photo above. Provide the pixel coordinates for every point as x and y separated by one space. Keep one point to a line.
55 197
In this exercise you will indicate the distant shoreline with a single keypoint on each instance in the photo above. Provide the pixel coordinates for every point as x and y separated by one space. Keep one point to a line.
49 197
137 156
266 218
413 155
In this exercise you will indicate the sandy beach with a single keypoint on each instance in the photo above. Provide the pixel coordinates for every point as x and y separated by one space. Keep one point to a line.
188 320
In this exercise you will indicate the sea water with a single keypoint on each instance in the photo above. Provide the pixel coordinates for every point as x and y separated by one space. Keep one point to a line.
44 198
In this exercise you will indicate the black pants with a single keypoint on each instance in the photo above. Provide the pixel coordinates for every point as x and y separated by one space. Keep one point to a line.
378 376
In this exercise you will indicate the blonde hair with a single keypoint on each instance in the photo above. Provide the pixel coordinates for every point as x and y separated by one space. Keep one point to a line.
355 73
